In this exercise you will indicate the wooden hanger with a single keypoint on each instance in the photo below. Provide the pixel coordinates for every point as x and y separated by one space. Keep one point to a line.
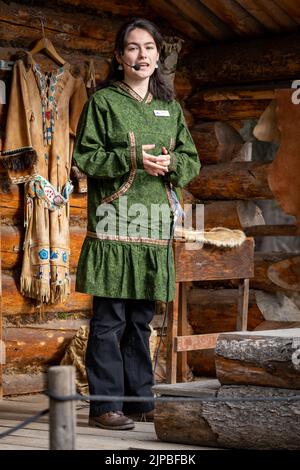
46 46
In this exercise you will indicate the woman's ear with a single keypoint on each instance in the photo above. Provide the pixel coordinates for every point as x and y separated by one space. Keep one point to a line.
118 57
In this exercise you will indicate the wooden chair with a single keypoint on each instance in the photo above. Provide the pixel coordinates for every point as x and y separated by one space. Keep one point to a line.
206 264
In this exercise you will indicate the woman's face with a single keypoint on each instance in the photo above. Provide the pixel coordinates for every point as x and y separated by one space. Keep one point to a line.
139 48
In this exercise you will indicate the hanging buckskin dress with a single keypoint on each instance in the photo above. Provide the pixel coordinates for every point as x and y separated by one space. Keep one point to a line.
43 112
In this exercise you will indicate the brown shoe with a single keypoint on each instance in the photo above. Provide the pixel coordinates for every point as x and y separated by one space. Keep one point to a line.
111 420
147 417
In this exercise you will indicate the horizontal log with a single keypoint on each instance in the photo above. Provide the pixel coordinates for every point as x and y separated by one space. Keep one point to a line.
224 94
216 142
12 251
232 214
212 311
271 231
265 358
13 303
225 424
86 33
226 110
32 346
209 263
230 64
286 273
232 181
114 7
277 325
22 37
20 384
12 205
266 263
202 363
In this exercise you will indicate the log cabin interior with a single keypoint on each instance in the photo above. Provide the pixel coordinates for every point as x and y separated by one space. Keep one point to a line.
237 63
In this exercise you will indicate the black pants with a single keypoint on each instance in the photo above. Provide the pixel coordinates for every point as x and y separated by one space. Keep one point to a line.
118 359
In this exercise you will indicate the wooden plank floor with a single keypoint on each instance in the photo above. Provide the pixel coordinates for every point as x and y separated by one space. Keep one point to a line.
13 410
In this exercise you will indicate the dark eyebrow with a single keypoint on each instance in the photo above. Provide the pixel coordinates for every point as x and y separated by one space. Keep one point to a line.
136 44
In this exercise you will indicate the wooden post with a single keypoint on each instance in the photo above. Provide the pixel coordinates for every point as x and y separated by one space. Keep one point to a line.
243 302
61 381
172 331
182 366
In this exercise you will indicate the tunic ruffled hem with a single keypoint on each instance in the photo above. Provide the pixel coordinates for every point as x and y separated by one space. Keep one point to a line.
126 270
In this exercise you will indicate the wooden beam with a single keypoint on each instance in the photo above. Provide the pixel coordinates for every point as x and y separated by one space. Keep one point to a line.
207 21
236 17
192 342
178 20
259 13
291 7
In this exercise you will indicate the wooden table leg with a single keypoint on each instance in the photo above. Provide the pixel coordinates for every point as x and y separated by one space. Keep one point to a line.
172 331
243 301
182 331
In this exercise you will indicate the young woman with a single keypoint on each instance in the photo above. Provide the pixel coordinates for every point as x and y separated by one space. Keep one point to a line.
134 146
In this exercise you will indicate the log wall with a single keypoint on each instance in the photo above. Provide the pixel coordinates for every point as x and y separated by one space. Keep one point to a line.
230 183
37 337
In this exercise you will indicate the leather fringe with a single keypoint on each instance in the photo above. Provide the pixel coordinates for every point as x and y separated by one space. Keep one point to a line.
37 289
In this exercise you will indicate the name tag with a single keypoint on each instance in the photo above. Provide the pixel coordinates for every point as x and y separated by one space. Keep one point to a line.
161 112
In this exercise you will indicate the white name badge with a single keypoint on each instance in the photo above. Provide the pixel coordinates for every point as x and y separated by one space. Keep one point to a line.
161 112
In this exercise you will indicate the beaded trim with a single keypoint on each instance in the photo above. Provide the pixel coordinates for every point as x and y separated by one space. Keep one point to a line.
47 84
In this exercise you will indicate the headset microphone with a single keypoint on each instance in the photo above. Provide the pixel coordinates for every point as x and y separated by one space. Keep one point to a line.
134 66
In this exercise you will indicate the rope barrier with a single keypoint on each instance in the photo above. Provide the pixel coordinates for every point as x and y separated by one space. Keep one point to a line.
78 397
27 421
127 399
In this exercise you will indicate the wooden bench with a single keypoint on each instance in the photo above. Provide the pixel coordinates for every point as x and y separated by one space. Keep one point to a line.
209 263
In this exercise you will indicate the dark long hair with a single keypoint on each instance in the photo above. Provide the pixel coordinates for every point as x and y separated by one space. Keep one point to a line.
157 85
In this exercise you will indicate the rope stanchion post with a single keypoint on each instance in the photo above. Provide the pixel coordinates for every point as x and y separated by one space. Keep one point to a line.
62 431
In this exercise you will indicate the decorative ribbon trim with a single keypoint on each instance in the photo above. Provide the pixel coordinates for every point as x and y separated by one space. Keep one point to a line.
123 238
124 188
133 94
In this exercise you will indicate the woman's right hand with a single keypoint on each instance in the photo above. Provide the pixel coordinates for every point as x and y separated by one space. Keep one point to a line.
155 166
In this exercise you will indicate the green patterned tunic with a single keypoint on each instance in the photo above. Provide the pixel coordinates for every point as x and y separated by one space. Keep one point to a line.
125 253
